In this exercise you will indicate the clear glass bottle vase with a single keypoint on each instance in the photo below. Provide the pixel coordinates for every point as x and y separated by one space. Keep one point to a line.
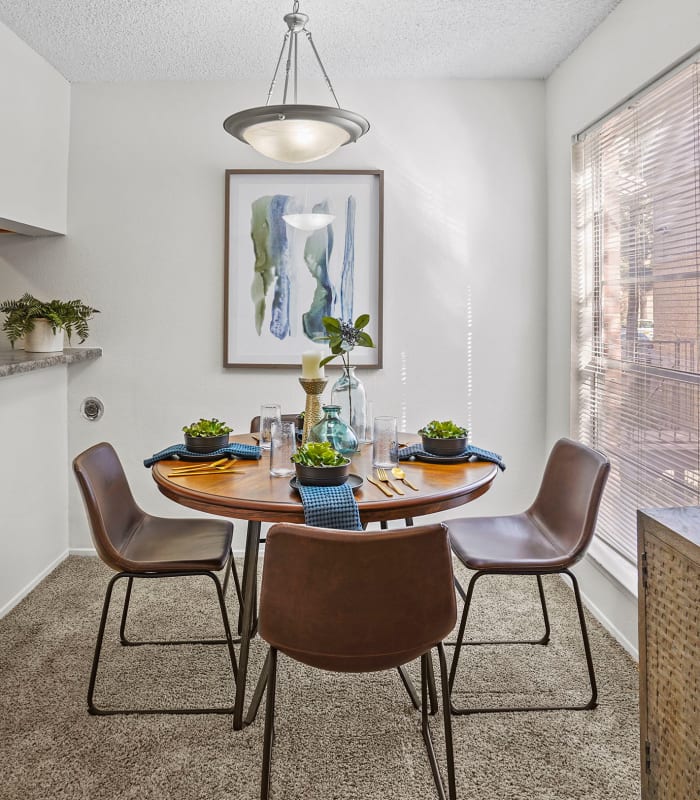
348 392
331 428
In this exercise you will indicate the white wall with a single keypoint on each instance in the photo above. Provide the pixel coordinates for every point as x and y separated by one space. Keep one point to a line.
464 242
33 480
637 41
35 103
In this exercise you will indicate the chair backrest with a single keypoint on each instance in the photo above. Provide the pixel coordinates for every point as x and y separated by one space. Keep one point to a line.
109 503
356 602
566 506
255 422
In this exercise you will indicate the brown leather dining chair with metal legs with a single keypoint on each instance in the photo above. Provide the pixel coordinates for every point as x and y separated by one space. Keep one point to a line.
138 545
549 538
358 602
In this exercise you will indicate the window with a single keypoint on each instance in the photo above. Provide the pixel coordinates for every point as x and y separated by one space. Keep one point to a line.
636 242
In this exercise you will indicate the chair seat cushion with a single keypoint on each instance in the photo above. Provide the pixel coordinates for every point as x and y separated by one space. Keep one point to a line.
514 543
177 545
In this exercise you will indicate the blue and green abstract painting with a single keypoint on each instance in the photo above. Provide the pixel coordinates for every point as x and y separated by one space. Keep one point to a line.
274 270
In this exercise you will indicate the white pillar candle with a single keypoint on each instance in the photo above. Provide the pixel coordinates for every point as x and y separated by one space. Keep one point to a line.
310 365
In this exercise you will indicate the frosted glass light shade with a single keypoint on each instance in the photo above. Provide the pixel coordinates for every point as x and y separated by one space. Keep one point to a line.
295 133
308 222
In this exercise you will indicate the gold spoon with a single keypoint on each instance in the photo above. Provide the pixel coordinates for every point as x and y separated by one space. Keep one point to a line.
397 472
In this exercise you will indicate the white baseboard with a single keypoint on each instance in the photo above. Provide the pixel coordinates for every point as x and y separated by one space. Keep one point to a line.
32 584
605 621
82 551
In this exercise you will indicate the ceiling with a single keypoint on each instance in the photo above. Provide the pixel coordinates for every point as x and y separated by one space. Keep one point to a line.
123 40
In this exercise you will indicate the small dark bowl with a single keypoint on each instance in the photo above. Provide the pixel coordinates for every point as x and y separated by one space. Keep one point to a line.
322 476
205 444
445 447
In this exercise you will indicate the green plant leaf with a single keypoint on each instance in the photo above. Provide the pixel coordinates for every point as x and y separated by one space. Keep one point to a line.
362 321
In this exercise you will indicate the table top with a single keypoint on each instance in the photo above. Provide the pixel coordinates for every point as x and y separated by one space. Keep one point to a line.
256 495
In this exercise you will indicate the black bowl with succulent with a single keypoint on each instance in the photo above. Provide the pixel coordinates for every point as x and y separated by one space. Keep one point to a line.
206 435
318 464
444 438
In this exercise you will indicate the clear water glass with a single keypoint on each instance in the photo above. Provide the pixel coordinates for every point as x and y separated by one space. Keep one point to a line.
269 413
385 448
283 445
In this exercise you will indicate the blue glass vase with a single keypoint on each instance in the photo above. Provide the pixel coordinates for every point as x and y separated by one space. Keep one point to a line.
331 428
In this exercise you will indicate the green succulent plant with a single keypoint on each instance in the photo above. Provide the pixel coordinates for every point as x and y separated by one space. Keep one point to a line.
319 454
69 315
443 430
207 427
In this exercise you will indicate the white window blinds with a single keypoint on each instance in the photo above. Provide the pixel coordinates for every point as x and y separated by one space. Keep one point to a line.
636 243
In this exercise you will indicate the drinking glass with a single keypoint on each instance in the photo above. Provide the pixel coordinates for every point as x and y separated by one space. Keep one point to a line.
283 440
385 449
269 413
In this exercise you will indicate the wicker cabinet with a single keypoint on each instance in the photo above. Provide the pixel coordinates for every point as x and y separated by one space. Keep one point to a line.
669 652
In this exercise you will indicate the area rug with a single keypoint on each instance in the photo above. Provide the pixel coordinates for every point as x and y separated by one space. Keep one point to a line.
337 736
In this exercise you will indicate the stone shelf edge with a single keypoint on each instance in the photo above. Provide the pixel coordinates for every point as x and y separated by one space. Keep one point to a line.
13 362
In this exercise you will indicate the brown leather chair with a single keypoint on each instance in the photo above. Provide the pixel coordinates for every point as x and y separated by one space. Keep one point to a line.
138 545
549 538
358 602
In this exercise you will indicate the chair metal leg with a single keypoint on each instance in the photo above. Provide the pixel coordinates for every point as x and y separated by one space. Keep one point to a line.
258 693
230 567
410 688
593 702
544 639
269 725
590 704
426 667
96 710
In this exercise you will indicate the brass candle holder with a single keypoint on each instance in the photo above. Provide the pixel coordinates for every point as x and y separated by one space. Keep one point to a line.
312 413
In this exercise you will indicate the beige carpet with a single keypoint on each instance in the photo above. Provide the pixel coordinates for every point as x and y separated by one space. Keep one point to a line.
337 736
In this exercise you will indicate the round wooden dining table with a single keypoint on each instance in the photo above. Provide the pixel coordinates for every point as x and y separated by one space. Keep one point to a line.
254 495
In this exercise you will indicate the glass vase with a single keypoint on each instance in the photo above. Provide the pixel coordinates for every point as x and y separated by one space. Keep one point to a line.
332 429
348 392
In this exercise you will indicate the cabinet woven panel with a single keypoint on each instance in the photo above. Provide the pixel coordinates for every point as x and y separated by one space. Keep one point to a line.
673 659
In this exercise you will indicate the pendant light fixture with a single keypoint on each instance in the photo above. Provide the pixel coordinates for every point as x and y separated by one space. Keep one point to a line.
291 132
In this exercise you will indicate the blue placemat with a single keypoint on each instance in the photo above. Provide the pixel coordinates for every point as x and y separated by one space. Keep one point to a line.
236 450
330 507
482 455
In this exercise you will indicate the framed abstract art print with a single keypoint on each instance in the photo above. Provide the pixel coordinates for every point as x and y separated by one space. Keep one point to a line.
300 245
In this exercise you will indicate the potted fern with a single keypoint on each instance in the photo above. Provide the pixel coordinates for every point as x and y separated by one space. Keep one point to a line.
42 323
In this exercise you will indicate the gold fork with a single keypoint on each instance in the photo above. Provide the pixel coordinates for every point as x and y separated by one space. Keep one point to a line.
384 478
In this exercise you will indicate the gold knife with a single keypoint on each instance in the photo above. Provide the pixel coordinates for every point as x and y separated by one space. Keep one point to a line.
379 486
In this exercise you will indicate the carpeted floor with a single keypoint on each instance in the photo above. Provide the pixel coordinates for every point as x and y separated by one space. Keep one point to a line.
338 737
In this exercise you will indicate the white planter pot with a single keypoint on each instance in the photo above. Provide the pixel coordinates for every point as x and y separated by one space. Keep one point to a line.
42 339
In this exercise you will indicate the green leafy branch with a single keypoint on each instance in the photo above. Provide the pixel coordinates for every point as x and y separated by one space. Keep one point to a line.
344 336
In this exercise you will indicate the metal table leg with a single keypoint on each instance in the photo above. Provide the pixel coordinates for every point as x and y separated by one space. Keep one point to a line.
250 589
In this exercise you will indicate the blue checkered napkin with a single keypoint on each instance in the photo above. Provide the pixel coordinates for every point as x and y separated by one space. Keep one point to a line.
330 507
236 450
405 453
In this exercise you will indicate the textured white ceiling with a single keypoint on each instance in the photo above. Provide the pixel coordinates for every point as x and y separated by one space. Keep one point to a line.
116 40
